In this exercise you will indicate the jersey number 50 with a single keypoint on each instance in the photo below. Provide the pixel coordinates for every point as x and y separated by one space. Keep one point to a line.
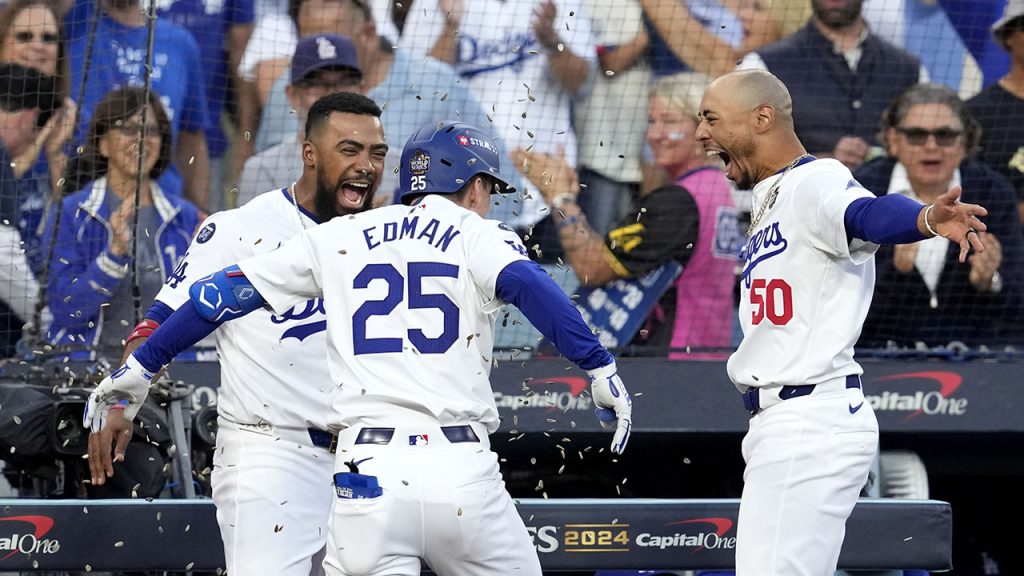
772 299
417 271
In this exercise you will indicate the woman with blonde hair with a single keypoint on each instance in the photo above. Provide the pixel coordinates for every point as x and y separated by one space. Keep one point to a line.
691 220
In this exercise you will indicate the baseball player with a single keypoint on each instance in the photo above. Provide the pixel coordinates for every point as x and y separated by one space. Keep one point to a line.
272 467
806 284
412 294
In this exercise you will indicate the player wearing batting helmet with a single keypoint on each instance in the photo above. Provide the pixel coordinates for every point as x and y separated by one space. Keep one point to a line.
413 292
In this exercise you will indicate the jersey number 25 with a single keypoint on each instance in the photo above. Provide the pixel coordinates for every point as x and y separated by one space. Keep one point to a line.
416 272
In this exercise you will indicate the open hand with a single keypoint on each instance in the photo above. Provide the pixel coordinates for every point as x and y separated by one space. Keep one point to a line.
958 222
116 430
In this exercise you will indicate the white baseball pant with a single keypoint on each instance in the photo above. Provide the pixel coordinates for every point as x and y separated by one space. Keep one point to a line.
443 501
807 461
272 490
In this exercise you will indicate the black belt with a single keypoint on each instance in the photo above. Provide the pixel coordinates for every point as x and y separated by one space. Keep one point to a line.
454 434
751 398
324 440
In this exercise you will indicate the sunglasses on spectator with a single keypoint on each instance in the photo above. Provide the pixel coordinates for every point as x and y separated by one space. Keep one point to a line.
919 136
26 36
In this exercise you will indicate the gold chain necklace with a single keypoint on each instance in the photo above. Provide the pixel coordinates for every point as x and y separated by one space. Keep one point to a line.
773 192
295 202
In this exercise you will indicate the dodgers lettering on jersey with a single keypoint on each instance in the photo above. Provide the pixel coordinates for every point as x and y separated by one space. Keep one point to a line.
272 365
763 244
805 289
485 55
411 308
507 70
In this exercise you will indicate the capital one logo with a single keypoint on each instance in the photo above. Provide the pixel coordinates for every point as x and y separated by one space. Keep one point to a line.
24 535
696 533
562 393
939 400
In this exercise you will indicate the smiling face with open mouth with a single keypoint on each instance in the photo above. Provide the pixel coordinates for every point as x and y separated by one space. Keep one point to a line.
350 153
725 131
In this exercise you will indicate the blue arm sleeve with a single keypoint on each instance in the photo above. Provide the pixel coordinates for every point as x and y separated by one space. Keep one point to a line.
220 297
890 219
526 285
159 312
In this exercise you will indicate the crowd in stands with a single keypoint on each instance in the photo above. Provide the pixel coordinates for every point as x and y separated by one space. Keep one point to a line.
123 123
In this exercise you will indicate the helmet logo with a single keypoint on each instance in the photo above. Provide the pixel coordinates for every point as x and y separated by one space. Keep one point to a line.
419 162
471 141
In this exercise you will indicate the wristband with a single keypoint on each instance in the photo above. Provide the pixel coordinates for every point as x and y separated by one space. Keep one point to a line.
927 211
121 405
144 329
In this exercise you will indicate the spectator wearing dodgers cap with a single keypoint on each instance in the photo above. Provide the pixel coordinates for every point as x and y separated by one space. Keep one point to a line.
321 65
1000 107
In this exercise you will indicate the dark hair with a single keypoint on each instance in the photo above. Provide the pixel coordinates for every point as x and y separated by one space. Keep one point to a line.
12 10
118 105
343 102
917 94
1004 31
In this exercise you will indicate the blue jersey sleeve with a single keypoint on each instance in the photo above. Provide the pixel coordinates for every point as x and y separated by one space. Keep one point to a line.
890 219
526 285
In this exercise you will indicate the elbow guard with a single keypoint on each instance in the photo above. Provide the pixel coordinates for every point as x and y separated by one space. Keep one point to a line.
225 295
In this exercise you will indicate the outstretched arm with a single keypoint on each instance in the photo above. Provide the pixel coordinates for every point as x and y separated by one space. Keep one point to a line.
896 219
220 297
526 285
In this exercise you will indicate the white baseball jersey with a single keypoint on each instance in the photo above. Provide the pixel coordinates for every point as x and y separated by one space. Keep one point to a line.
805 288
411 305
507 69
272 365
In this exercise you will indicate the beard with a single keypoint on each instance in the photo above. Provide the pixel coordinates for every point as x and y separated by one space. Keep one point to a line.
835 18
745 180
326 200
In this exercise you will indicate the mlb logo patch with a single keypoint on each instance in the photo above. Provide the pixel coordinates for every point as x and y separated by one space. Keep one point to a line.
206 233
419 440
464 140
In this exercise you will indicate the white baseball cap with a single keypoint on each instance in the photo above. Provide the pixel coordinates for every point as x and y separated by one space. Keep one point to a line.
1014 9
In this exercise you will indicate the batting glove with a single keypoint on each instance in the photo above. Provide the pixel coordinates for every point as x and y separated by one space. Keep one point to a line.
614 406
124 389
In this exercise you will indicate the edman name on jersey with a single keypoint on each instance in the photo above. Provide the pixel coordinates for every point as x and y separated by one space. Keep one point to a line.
409 228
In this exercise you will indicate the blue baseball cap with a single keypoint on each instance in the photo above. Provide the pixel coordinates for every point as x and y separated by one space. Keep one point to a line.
323 51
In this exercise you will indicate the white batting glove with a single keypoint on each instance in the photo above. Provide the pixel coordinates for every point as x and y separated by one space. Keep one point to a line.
614 406
124 389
